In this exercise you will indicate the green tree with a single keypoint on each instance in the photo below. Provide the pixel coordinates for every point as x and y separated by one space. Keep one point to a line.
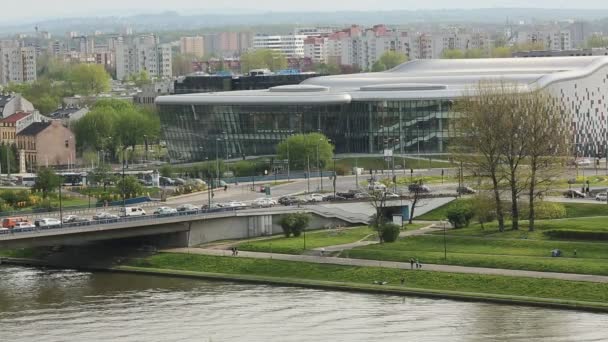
89 79
294 223
452 54
140 79
8 155
166 171
302 148
263 59
46 181
182 64
597 41
130 186
329 68
102 175
475 53
389 60
390 232
501 52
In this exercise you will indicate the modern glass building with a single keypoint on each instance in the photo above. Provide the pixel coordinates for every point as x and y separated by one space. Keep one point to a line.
406 109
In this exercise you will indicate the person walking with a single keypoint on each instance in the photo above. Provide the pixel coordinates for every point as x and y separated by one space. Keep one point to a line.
417 264
412 263
236 251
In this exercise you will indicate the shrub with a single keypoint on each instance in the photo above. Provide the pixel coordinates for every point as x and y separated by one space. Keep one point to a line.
544 210
294 223
166 171
568 234
460 216
390 232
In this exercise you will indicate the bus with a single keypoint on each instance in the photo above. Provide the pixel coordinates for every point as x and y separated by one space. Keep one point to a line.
73 178
29 180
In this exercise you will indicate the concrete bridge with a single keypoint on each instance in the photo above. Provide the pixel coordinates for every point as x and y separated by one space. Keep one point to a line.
181 230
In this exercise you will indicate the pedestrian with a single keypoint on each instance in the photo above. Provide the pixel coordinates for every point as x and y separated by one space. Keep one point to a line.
417 264
322 251
412 263
236 251
402 281
575 253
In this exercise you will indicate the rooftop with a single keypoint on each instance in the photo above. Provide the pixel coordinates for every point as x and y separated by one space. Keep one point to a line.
34 128
15 117
418 79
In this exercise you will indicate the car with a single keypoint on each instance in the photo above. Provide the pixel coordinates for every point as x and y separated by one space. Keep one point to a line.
377 187
23 226
582 162
419 188
349 194
602 197
362 195
465 190
4 231
74 219
315 198
132 211
391 195
187 207
10 222
104 216
165 211
47 223
263 202
179 181
334 198
288 200
198 181
234 205
573 194
166 181
145 182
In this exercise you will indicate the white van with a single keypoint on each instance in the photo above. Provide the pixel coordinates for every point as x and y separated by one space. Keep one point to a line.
132 211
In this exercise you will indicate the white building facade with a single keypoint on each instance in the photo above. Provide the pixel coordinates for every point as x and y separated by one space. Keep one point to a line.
143 54
289 46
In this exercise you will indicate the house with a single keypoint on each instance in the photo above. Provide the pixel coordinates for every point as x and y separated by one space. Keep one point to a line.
14 103
69 114
45 144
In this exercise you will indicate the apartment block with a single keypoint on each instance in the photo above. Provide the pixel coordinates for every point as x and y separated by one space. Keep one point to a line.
17 64
290 46
192 45
143 53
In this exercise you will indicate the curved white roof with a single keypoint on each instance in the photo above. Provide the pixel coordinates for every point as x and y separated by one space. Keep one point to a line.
418 79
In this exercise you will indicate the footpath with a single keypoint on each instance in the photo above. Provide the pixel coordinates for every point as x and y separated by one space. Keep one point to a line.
393 264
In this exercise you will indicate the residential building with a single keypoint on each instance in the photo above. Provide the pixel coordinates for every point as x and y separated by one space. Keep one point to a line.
17 64
289 46
69 114
192 45
10 126
562 53
315 48
315 31
549 39
150 92
143 53
14 103
46 144
407 109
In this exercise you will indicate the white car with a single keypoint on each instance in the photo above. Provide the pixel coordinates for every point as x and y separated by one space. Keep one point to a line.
23 226
315 198
187 208
47 223
264 203
602 197
377 187
165 211
391 195
132 211
583 162
234 204
104 216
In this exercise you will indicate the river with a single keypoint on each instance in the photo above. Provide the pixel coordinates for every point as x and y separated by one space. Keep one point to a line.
64 305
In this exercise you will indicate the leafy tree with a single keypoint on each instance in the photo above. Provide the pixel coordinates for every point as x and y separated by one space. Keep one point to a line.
182 64
89 79
475 53
301 148
501 52
102 175
484 208
597 41
166 171
294 223
529 46
452 54
130 186
46 181
8 155
460 216
389 60
263 59
327 68
390 232
140 79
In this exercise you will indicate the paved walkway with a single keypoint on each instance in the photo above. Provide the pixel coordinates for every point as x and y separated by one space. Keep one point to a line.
392 264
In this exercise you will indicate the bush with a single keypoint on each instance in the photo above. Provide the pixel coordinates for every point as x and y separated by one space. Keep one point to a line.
390 232
543 210
460 216
568 234
294 223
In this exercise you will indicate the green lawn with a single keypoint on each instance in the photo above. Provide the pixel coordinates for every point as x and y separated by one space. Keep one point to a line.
378 163
440 213
314 239
469 283
534 255
586 209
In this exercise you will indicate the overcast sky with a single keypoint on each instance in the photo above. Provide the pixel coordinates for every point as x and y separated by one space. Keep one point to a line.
13 10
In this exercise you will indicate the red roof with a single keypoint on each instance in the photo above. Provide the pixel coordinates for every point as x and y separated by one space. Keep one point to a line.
15 117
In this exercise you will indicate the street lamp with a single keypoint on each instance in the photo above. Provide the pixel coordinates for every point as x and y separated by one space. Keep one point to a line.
445 248
217 161
319 165
123 181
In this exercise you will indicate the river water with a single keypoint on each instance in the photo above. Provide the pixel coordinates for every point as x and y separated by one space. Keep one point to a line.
63 305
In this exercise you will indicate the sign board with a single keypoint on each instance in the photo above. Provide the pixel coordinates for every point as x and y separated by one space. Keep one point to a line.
405 212
388 153
398 220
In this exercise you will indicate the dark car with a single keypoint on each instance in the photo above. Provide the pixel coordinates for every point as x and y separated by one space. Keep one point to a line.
418 188
347 195
334 198
466 190
573 194
289 200
166 181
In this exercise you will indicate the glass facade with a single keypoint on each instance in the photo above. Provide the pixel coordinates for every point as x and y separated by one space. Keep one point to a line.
202 132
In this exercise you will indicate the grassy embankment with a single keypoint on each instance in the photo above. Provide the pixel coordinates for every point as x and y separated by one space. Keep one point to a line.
474 246
378 163
314 239
361 278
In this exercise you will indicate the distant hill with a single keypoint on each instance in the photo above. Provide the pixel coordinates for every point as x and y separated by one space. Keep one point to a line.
173 21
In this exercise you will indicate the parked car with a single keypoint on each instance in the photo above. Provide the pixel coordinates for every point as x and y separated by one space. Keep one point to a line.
105 216
314 198
23 226
47 223
4 231
377 187
132 211
334 198
166 181
234 205
418 188
466 190
573 194
145 182
602 197
289 200
179 181
583 162
390 195
187 208
349 194
263 202
74 219
362 195
165 211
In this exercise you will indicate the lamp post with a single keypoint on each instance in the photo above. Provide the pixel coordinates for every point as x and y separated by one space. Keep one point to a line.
445 246
60 202
319 164
334 179
123 181
217 161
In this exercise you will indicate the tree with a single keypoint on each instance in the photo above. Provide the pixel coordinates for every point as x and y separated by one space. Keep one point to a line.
390 232
597 41
130 186
501 52
302 148
294 223
475 53
263 59
8 155
46 181
484 208
452 54
460 216
479 144
103 175
182 64
529 46
389 60
140 79
327 68
89 79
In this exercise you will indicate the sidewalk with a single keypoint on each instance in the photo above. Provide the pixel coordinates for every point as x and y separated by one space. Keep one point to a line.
392 264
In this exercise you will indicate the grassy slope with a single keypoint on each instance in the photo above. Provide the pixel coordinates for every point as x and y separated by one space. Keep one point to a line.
379 163
502 285
316 239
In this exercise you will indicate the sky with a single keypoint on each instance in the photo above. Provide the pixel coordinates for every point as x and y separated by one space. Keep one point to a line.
26 9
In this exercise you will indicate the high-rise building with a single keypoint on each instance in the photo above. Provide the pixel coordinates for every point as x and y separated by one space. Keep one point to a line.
192 45
289 46
17 64
143 53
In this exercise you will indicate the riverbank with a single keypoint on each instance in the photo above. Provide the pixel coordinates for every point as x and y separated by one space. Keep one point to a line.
471 287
